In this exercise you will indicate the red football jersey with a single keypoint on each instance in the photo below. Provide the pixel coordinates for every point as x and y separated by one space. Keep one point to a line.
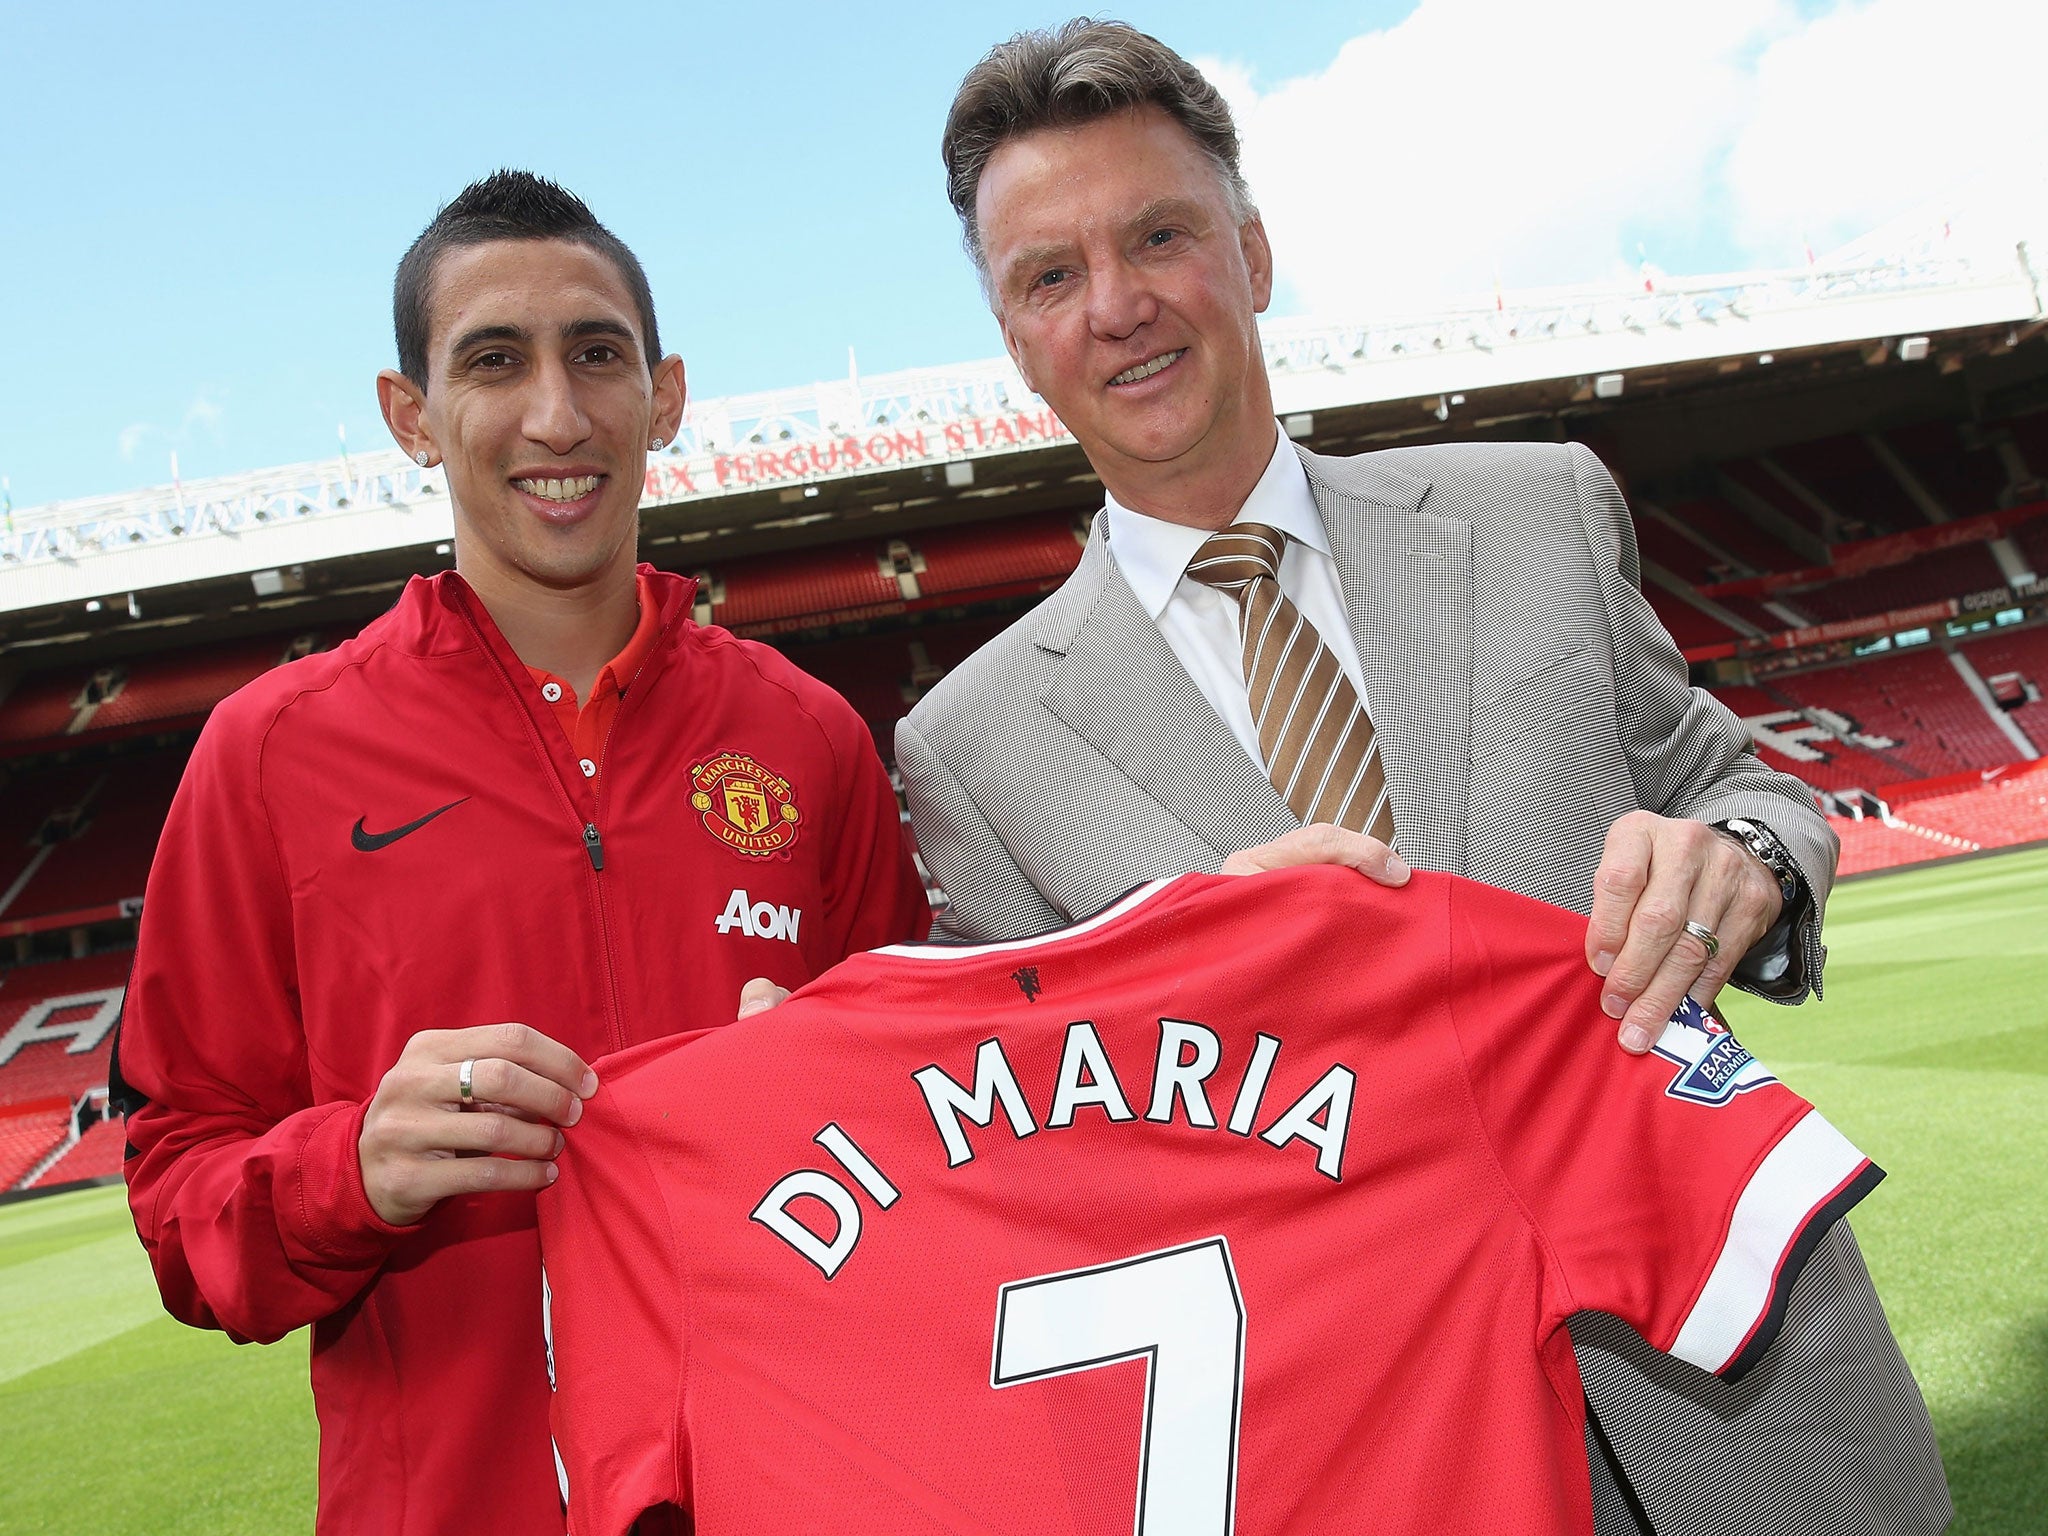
1248 1205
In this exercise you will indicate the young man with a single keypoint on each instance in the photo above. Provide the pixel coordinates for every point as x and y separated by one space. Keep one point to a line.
1444 649
411 887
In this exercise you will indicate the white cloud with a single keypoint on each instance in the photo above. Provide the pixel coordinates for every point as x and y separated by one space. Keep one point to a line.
202 412
1539 143
1875 109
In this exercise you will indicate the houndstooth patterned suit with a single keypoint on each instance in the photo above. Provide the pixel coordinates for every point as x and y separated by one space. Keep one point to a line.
1524 697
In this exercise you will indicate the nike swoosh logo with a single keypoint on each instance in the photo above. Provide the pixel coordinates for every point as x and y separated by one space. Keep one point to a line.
370 842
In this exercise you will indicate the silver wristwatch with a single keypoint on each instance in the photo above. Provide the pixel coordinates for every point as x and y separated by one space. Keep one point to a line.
1761 841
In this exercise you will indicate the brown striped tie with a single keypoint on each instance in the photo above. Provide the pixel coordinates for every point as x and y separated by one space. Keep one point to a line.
1316 737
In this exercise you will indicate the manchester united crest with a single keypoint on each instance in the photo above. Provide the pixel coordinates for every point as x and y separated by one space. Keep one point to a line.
744 805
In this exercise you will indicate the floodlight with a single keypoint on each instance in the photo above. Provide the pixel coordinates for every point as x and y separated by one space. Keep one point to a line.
1913 349
1607 387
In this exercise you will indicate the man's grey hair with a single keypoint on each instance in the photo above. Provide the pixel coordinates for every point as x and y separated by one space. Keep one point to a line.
1065 76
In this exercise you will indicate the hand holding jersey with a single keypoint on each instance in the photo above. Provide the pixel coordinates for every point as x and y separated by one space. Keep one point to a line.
419 1146
1658 874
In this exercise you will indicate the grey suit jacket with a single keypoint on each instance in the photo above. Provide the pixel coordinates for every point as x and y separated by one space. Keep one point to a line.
1524 696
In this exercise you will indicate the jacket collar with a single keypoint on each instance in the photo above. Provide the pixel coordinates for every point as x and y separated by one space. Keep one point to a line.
441 613
1406 576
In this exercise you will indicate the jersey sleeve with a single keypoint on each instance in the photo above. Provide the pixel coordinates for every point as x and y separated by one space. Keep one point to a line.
615 1294
1680 1190
248 1196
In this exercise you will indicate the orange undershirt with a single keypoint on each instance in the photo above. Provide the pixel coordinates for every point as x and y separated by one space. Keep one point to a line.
587 726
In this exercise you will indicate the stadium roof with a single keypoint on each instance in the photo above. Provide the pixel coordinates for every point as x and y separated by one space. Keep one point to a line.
837 459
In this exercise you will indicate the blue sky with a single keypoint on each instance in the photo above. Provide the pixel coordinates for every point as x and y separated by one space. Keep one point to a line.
206 203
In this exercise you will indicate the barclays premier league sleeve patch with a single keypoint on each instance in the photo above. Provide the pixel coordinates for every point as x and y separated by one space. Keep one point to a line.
1714 1067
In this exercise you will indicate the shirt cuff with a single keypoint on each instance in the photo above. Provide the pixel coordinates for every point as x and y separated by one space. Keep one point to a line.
323 1205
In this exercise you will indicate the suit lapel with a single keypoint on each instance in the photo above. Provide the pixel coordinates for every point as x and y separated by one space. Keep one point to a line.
1407 579
1126 694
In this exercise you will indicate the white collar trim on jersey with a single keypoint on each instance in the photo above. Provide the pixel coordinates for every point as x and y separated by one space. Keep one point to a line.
1107 915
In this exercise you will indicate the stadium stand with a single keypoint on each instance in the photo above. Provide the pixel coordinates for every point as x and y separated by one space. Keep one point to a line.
26 801
1963 480
2011 809
1690 627
2003 812
2023 652
95 1155
937 566
107 860
1768 488
2032 538
163 690
787 586
1809 742
1666 546
882 620
1925 578
1917 700
45 1010
1843 472
1730 530
80 837
44 1065
1872 843
41 708
1000 555
28 1134
71 706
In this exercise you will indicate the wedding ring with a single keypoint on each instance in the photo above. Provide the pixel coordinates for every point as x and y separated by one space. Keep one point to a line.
465 1079
1700 931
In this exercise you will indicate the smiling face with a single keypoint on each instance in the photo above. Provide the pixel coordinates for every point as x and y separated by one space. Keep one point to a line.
541 403
1127 291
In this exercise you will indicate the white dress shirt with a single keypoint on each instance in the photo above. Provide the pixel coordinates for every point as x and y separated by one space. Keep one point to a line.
1200 623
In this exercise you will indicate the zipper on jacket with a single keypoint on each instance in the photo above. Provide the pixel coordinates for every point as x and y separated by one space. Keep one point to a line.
593 845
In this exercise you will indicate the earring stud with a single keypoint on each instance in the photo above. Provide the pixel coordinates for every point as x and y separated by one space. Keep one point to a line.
421 458
658 444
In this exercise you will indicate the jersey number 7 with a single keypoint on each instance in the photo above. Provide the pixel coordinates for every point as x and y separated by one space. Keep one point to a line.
1180 1311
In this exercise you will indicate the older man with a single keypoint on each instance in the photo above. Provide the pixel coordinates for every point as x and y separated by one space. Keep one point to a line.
1438 650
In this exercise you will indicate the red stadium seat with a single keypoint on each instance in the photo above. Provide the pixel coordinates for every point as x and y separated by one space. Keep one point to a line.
1925 578
1792 741
1918 702
95 1155
801 583
995 555
186 685
42 1068
126 800
2024 651
27 1136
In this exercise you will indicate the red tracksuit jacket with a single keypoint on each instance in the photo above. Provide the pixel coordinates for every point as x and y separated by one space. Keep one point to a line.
307 914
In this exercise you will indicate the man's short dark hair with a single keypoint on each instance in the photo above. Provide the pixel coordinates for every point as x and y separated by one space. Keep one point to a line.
1066 76
506 205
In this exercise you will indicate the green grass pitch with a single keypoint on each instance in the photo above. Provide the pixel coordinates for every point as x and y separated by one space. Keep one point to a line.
1931 1052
